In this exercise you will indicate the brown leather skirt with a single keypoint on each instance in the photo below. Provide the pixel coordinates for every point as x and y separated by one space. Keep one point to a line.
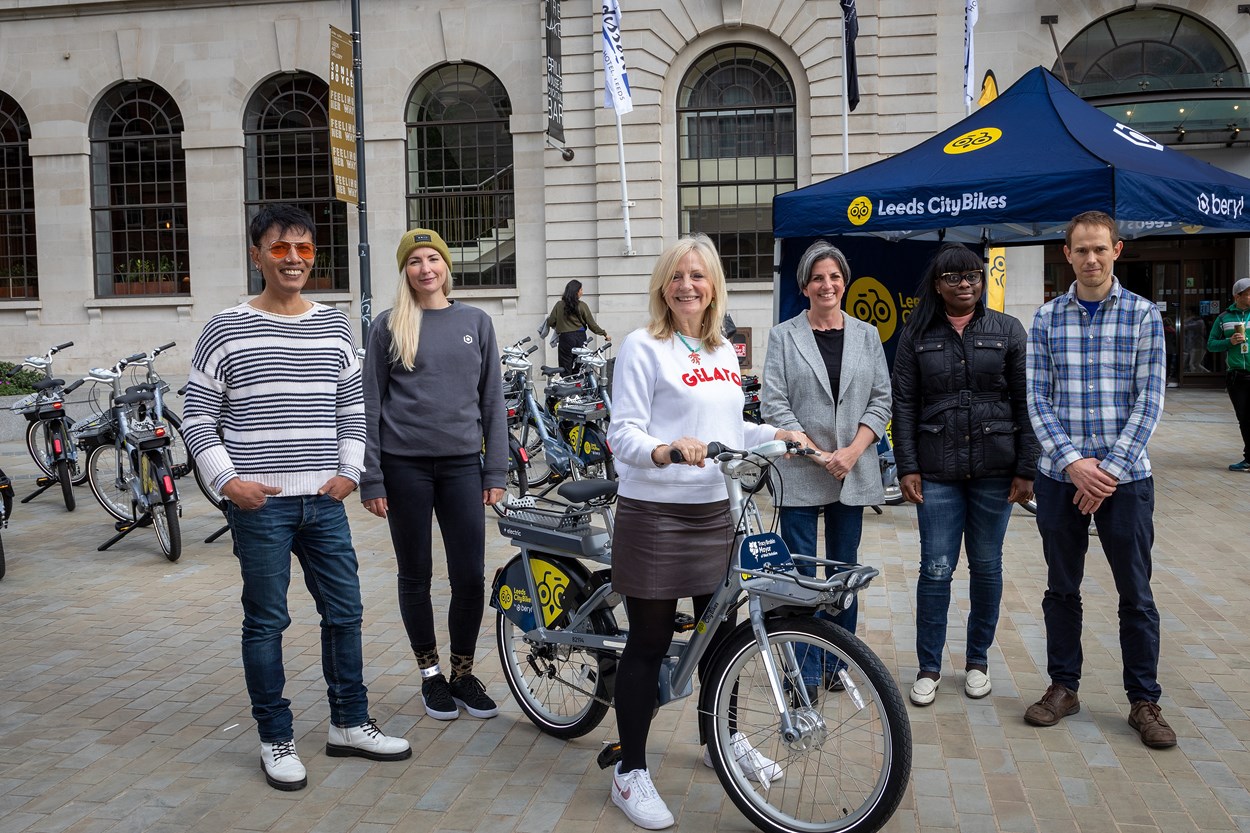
670 550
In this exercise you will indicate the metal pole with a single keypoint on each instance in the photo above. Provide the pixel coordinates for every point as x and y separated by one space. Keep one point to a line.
846 110
620 149
362 212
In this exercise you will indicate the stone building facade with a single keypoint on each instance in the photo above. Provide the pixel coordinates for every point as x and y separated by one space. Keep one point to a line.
217 82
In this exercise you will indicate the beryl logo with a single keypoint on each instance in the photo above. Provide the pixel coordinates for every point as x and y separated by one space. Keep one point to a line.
973 140
1218 206
859 211
1128 134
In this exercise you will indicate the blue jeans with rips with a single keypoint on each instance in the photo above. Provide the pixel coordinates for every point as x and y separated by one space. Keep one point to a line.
844 526
315 529
974 512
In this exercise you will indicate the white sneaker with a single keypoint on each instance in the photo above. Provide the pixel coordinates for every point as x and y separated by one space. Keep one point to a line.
924 691
758 767
282 766
634 793
366 741
977 684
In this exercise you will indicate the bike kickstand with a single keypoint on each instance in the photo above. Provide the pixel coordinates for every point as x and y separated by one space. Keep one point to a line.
43 484
224 529
124 528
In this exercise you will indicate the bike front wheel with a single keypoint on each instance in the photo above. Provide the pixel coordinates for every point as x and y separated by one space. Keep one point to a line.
102 478
847 766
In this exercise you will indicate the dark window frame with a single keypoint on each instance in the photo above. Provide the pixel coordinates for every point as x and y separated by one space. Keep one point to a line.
19 261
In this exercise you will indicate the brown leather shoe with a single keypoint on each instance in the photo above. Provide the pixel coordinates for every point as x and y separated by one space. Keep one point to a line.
1058 702
1147 719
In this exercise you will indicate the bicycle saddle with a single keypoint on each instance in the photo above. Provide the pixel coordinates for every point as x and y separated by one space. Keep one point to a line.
581 491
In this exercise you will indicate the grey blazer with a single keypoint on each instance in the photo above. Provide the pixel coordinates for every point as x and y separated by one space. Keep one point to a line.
796 396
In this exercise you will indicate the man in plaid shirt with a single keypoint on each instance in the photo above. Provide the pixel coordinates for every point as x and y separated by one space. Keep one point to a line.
1096 369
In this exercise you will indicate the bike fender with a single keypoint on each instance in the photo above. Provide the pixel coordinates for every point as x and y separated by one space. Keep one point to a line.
554 576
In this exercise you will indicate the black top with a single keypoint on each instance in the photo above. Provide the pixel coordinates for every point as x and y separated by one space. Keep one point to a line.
830 344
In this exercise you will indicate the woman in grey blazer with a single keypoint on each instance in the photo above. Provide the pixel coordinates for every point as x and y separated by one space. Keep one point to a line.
826 376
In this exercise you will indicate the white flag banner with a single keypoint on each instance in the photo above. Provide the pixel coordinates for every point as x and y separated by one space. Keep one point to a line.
615 79
970 21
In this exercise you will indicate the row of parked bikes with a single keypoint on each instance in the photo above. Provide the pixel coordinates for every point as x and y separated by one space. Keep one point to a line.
124 443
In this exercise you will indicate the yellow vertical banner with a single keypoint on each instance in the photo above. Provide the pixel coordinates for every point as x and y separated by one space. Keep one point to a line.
996 290
342 117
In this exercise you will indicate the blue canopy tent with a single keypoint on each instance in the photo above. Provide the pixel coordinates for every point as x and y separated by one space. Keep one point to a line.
1014 172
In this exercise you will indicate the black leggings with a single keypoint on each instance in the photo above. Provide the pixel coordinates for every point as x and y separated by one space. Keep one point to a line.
567 341
451 489
638 675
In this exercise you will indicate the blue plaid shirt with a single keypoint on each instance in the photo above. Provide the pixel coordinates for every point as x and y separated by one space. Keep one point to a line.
1096 384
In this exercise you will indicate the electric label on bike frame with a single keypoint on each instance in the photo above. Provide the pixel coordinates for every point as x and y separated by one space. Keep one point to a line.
765 551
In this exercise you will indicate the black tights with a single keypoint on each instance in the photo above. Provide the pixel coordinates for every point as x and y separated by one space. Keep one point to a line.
638 675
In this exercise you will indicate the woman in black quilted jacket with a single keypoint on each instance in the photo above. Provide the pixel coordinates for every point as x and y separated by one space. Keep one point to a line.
965 452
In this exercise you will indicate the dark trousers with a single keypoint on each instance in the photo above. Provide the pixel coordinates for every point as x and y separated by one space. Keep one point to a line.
1238 384
1125 523
451 489
567 341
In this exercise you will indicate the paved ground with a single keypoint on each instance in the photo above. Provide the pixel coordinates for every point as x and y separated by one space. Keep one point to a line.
122 705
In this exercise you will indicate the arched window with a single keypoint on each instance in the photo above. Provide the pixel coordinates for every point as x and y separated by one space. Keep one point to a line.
139 193
19 267
1163 72
460 178
736 151
286 132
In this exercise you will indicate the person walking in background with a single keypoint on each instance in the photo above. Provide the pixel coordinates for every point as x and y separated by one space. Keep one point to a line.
1228 334
826 377
965 451
571 318
1095 393
437 444
284 482
676 389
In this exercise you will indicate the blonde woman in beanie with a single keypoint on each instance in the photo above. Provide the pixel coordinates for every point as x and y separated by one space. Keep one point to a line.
433 401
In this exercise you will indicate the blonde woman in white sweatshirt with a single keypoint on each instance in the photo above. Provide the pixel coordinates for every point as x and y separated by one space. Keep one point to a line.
676 387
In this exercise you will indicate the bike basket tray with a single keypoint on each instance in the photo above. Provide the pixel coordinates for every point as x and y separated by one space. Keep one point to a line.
93 431
559 531
582 408
750 383
48 409
25 403
146 437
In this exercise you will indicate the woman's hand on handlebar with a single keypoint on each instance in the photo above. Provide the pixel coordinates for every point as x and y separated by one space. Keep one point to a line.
912 490
376 505
491 496
687 450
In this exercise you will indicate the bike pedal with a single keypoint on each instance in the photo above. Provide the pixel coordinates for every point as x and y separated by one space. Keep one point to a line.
610 755
123 526
683 623
179 470
43 481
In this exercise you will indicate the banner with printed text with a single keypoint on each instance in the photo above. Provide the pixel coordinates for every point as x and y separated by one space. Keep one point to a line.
342 117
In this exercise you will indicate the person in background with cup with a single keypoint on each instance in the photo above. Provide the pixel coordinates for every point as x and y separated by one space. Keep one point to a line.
1228 334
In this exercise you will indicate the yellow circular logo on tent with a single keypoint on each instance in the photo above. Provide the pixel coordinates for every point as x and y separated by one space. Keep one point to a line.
868 300
973 140
859 211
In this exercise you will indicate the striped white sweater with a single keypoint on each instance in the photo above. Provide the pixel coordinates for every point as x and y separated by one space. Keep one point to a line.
287 391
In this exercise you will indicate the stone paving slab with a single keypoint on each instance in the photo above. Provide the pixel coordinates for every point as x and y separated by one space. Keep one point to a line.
122 706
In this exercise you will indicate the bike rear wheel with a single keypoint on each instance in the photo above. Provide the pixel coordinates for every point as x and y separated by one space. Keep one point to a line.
67 484
180 460
39 446
164 510
538 469
848 767
518 477
102 478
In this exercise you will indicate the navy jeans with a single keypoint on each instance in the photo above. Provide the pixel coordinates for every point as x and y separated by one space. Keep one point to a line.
1125 523
844 526
315 528
977 512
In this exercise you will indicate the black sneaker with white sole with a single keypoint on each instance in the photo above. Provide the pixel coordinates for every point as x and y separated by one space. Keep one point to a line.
436 695
470 695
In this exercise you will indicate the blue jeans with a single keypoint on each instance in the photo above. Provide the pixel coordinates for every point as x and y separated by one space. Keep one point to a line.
975 511
844 526
315 529
1125 523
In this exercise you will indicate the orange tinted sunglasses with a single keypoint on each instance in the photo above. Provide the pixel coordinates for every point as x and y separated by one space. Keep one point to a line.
281 248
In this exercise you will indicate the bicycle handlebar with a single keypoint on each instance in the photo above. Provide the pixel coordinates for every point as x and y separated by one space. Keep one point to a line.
163 348
61 346
73 386
769 450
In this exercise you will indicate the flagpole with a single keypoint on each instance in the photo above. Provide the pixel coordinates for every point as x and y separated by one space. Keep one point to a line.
620 150
846 110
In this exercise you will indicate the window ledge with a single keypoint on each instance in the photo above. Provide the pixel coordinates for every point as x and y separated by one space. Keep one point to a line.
138 301
486 292
21 303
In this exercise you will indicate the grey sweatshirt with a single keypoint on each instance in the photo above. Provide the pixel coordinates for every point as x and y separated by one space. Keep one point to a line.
444 407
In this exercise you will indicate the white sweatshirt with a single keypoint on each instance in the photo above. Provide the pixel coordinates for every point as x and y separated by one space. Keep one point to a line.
660 394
